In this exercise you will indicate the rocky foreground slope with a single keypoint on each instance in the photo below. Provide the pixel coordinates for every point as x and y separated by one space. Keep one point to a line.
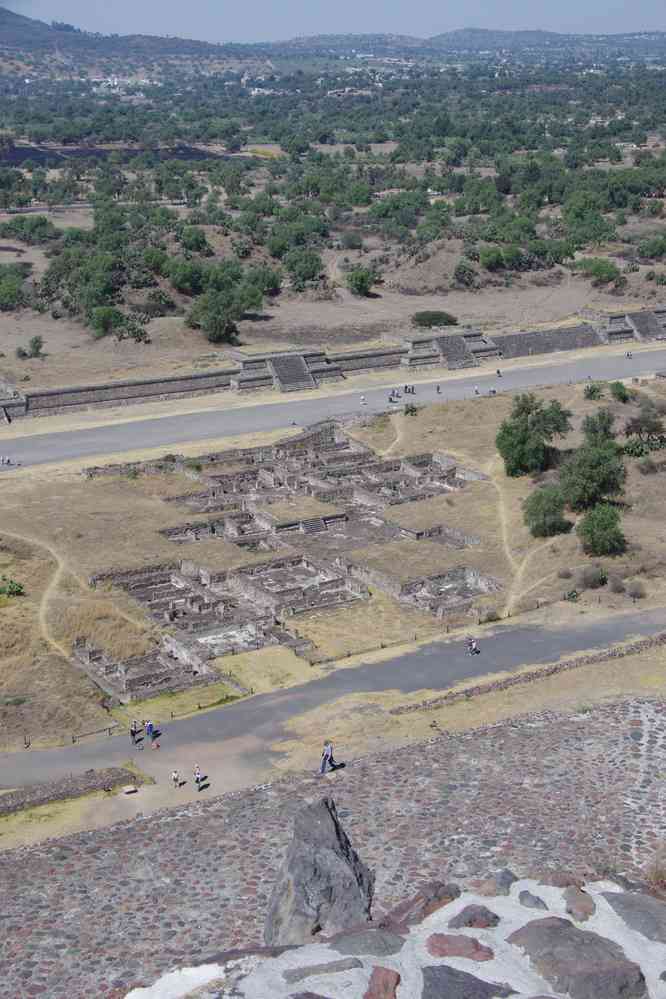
101 913
529 938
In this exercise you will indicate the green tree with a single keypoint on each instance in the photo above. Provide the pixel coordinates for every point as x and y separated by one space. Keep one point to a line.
600 531
598 427
360 281
524 438
592 474
543 512
218 310
646 423
303 265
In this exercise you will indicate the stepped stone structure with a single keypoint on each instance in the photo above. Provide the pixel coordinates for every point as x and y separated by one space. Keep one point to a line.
301 370
252 499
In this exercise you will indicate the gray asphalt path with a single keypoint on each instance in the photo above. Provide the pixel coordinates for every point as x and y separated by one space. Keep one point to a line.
172 430
437 666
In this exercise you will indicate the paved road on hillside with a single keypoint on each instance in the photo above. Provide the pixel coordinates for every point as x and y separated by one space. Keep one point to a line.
172 430
437 666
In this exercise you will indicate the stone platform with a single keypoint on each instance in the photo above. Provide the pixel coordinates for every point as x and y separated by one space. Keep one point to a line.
97 913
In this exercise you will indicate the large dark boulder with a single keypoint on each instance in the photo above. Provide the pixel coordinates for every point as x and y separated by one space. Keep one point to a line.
582 964
323 887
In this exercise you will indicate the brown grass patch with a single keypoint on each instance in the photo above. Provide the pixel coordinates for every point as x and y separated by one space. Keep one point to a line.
363 625
267 669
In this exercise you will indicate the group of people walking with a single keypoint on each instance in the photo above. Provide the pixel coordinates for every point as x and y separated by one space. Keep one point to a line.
150 730
198 778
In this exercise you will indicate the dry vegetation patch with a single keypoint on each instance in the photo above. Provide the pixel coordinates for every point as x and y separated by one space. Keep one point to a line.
364 625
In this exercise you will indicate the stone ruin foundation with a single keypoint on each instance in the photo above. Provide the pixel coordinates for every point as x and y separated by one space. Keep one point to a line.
310 562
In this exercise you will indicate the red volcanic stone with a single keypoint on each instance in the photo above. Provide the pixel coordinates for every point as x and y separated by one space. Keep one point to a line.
457 945
383 984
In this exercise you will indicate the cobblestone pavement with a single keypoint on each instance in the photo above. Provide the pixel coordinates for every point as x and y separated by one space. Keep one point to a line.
96 913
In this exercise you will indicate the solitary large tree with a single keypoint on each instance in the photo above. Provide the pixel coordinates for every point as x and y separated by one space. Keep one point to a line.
523 439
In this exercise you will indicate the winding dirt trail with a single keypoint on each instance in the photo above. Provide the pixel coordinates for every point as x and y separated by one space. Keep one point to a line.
61 570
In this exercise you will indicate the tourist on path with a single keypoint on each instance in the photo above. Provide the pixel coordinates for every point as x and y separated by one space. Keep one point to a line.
149 730
327 761
175 778
197 777
134 731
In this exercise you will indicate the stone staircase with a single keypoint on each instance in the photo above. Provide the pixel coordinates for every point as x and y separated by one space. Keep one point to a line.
314 525
455 351
647 325
290 373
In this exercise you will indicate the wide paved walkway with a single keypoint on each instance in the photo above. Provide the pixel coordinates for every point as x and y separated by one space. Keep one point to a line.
436 666
168 431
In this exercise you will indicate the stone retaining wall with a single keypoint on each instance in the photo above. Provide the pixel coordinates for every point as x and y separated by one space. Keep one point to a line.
529 677
72 398
68 787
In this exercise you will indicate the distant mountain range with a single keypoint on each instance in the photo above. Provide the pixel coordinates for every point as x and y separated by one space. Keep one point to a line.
24 35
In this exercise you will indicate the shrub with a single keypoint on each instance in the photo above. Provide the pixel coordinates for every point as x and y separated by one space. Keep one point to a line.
646 466
106 319
564 574
10 588
620 392
352 241
360 281
600 531
600 269
636 590
591 577
464 274
431 319
543 512
593 390
616 584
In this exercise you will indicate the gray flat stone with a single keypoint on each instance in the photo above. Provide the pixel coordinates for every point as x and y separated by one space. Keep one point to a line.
641 913
293 975
475 916
375 943
441 982
531 901
580 963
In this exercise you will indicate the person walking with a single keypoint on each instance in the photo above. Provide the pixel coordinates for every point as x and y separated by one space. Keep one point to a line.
148 725
197 777
327 761
134 731
175 778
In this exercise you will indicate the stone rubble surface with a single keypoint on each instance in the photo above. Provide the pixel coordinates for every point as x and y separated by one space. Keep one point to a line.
99 913
526 955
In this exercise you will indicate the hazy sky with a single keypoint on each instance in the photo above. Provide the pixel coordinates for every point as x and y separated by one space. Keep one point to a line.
260 20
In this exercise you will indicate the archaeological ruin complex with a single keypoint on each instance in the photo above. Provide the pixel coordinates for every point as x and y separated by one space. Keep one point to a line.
303 511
